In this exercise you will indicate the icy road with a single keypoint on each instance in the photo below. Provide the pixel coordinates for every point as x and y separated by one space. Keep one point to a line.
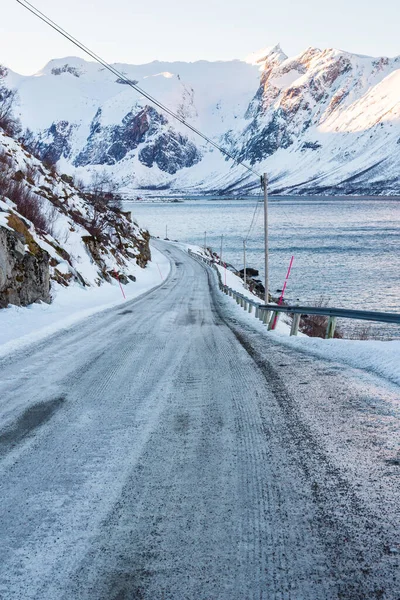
163 450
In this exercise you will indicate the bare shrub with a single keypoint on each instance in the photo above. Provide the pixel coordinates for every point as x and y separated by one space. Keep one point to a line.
367 331
6 161
30 143
31 174
3 182
79 184
28 205
13 190
97 223
102 191
8 122
51 214
361 333
51 167
315 325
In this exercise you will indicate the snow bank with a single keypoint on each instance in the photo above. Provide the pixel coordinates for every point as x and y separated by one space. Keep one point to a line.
22 326
380 357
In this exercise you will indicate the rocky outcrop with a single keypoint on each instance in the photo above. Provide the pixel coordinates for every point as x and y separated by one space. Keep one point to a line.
54 142
107 145
264 141
144 255
24 266
171 152
53 233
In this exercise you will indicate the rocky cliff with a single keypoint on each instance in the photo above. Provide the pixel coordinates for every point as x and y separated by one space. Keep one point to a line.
24 266
53 234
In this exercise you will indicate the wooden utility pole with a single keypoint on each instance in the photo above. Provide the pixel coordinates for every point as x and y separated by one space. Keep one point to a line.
265 186
244 264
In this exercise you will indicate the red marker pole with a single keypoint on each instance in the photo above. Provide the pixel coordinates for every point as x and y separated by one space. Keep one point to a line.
159 270
283 290
120 284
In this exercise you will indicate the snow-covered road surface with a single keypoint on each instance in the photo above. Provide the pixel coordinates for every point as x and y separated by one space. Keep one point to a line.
163 450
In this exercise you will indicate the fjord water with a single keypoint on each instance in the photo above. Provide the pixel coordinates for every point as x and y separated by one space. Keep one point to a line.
345 249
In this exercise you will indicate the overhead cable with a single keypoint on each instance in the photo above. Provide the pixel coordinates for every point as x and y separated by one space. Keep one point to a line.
133 85
254 215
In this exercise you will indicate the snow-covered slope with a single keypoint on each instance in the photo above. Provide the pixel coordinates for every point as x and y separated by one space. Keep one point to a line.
324 121
53 235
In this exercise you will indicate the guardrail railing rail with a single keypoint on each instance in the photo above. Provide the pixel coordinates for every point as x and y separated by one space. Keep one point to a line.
269 313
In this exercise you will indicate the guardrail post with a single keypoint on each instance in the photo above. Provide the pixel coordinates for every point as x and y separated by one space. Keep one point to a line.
295 324
330 330
274 320
332 313
266 317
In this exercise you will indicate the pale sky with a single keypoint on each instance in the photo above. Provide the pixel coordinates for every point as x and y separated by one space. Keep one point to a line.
138 32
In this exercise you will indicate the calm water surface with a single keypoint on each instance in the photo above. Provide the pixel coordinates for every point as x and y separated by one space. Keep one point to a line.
347 250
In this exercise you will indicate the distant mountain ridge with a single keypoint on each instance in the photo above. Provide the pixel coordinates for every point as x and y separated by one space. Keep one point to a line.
323 122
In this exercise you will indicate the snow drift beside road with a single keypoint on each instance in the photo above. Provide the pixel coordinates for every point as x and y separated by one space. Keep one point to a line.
22 326
380 357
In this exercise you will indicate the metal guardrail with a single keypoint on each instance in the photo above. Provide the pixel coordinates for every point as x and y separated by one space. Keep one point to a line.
269 313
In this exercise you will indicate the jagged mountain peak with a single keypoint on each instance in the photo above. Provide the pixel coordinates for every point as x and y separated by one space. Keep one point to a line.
270 54
314 120
68 64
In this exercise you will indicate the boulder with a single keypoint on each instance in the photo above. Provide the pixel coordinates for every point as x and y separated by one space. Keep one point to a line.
24 267
250 272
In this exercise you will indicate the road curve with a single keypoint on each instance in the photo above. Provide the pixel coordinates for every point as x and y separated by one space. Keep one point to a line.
165 450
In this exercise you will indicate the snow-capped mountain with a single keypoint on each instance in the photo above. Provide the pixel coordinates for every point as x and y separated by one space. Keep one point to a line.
325 121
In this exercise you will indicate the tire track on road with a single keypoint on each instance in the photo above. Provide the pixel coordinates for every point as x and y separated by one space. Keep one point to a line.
353 536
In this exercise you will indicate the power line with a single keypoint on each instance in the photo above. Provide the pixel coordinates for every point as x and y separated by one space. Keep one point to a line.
37 13
254 215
